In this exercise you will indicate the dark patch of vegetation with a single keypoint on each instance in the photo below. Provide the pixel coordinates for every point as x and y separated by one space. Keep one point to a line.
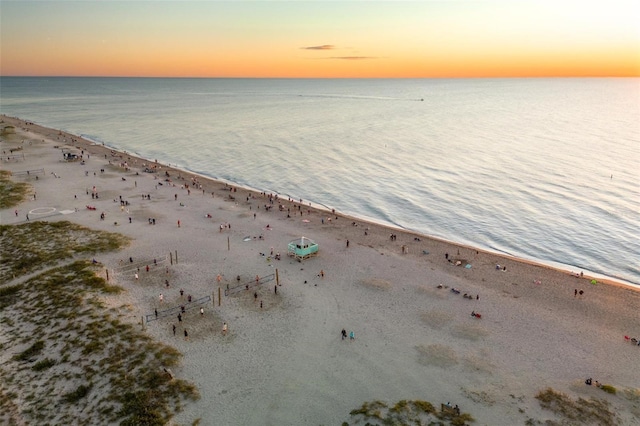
76 395
43 365
30 352
608 389
8 295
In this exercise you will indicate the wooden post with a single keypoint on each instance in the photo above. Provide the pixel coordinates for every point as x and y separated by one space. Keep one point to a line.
171 257
142 321
228 244
176 257
219 295
107 271
277 277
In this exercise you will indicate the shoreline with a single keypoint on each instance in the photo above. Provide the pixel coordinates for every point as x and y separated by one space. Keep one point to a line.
86 143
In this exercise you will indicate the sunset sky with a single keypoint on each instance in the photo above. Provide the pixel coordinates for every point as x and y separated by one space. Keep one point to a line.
320 39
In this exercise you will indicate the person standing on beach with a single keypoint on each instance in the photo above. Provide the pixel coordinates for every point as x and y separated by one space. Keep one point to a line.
347 243
186 334
224 329
174 329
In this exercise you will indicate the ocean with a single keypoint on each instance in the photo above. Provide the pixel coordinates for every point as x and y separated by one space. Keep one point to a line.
542 169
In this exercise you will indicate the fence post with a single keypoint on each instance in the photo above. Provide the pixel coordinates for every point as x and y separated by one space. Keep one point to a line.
107 271
171 257
228 244
277 277
219 295
176 257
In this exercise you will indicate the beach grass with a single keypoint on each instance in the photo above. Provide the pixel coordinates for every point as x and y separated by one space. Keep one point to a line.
11 193
32 246
580 411
73 356
407 412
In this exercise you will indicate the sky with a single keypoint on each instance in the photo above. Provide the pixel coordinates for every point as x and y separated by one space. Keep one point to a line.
321 39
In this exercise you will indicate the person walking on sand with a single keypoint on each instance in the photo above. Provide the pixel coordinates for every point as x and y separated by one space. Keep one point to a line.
174 329
352 335
224 329
186 334
344 334
202 311
161 297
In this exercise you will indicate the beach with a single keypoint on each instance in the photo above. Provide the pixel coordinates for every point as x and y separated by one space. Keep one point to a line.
408 298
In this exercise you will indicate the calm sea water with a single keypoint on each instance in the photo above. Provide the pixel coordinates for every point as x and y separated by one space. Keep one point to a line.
543 169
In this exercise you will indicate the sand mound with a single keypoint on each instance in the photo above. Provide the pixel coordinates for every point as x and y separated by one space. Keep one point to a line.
469 331
436 319
479 362
438 355
375 283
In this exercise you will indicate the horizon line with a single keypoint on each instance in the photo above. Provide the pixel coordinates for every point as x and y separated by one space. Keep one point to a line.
323 78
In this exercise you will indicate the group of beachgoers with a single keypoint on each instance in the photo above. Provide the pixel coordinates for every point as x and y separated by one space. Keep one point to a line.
352 334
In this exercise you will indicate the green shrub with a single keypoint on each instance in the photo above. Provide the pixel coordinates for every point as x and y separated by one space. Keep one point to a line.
77 395
43 365
31 351
609 389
